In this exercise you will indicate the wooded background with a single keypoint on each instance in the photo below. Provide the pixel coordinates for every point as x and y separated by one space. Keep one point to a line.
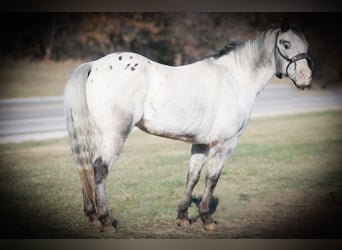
170 38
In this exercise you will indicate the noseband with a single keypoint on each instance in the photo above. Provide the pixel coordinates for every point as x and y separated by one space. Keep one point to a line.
291 60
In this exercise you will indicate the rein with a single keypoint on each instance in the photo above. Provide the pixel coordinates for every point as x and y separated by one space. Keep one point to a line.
291 60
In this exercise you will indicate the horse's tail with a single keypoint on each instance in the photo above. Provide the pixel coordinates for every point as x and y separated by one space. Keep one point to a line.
81 129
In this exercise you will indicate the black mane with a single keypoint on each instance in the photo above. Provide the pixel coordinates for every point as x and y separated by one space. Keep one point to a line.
228 48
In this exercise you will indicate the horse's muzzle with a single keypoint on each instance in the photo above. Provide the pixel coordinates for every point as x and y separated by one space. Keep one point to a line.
302 84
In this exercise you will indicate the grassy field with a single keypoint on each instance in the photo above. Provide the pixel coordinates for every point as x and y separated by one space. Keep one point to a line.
283 181
26 78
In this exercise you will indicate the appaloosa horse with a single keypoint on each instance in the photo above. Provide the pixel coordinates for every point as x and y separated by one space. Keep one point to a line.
207 103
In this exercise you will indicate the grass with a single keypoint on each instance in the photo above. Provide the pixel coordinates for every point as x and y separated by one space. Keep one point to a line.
283 181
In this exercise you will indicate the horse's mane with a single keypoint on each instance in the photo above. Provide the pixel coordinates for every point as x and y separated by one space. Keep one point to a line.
232 46
253 45
228 48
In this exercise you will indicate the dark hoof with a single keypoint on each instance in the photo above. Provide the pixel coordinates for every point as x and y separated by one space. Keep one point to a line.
110 226
92 219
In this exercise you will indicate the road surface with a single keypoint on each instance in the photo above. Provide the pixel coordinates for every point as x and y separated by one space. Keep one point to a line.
43 118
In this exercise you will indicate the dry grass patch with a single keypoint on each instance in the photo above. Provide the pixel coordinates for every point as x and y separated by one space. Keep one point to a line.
31 78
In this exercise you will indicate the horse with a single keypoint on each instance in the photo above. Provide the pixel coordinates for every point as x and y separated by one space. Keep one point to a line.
207 103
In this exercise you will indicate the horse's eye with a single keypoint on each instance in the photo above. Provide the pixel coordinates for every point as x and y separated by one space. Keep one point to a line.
286 44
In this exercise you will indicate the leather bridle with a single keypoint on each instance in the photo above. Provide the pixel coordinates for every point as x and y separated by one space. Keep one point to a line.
291 60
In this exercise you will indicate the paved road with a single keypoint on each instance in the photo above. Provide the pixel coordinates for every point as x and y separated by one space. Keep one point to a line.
43 118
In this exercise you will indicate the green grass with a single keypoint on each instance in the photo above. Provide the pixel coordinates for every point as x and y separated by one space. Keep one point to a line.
283 180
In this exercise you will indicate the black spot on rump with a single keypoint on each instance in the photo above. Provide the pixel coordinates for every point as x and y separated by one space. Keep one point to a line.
131 57
136 65
132 68
110 67
120 58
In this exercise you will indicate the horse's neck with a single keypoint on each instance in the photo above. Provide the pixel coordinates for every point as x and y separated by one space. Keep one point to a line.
253 65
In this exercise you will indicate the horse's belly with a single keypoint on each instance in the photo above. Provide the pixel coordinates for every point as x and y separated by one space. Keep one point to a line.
180 126
168 133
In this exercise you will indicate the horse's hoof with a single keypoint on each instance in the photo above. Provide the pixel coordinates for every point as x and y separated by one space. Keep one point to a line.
211 226
110 226
92 219
183 223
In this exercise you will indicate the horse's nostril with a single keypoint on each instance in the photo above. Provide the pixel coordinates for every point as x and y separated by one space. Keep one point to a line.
304 74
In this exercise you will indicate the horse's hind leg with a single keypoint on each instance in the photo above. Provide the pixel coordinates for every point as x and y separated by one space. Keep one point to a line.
198 157
100 174
113 140
101 167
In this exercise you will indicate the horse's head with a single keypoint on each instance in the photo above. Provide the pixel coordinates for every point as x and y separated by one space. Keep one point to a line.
291 56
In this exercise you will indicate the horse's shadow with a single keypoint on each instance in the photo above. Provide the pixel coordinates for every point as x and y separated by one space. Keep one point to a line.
212 207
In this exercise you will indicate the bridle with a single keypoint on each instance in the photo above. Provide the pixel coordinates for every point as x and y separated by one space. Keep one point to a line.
291 60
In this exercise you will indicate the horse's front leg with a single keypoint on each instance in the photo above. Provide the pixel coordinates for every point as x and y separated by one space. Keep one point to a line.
218 155
198 157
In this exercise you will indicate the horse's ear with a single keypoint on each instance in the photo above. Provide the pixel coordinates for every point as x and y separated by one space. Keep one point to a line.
284 26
